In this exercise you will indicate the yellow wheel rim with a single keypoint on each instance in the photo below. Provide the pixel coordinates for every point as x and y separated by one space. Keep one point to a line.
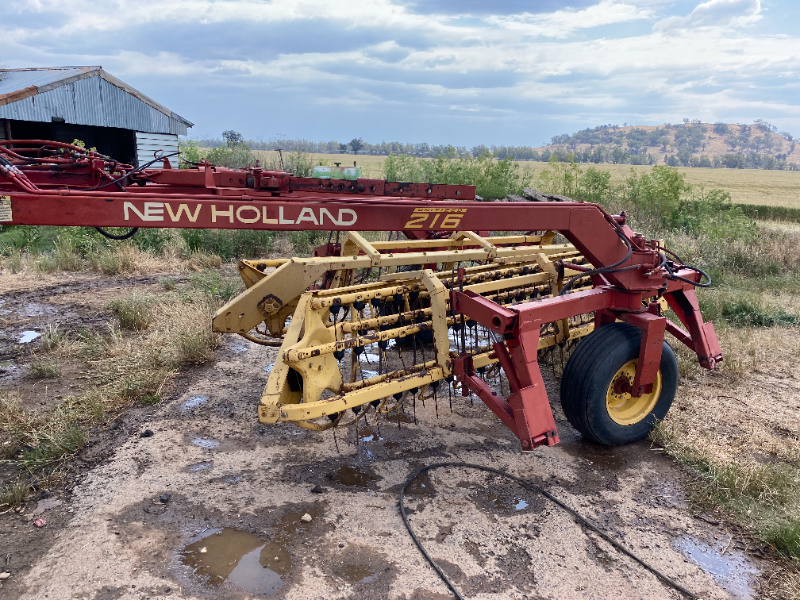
624 408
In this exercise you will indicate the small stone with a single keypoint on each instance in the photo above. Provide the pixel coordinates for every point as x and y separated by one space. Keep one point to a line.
147 433
4 575
341 545
306 518
277 558
165 498
317 489
40 522
203 550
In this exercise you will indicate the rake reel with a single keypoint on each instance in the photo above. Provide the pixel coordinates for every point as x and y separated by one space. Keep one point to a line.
372 326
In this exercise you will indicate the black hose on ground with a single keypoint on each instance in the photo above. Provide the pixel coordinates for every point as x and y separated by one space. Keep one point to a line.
531 486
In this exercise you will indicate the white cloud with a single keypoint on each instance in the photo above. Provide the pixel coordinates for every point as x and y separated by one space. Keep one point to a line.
716 13
562 23
379 56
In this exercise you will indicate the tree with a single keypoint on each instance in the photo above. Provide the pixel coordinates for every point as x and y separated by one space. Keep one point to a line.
232 138
343 148
356 144
720 128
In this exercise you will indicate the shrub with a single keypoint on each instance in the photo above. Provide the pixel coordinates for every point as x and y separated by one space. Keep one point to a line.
133 312
493 178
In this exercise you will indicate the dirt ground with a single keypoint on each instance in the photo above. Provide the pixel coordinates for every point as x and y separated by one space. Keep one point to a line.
193 498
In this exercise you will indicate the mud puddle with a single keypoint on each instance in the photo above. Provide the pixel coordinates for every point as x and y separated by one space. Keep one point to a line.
507 503
194 402
246 561
732 571
206 443
352 476
201 466
365 434
27 337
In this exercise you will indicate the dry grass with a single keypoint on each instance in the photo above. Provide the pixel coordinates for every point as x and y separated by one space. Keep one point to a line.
119 259
746 186
46 368
124 367
746 457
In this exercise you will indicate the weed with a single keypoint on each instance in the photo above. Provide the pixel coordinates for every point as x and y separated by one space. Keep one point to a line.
14 494
133 312
200 261
740 309
743 312
53 448
303 242
492 178
45 369
117 260
167 283
14 261
784 536
215 286
53 337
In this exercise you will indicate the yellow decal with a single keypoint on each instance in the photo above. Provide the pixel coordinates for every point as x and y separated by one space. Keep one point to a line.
429 217
5 209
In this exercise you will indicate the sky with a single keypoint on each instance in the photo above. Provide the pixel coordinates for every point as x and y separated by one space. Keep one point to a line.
461 72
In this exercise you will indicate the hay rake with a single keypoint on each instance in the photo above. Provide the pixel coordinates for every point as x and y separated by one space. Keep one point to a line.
368 324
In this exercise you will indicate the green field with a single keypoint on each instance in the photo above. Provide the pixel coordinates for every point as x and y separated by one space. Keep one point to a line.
746 186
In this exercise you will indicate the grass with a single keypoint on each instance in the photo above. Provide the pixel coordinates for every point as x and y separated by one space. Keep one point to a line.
760 497
14 495
131 363
47 368
134 312
53 337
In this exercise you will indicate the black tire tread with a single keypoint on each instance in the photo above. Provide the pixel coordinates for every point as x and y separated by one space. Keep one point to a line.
578 383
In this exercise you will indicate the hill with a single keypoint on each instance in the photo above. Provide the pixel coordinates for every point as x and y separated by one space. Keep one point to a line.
692 144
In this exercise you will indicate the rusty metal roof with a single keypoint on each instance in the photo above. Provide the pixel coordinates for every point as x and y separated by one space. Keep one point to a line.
83 96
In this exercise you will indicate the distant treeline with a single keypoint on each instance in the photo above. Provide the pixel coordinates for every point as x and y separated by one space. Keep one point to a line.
755 146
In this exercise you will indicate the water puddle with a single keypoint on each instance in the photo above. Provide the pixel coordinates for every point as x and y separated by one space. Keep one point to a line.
34 309
207 443
357 573
28 336
201 466
402 417
600 457
732 571
507 502
241 558
194 402
366 434
421 486
238 346
368 374
352 476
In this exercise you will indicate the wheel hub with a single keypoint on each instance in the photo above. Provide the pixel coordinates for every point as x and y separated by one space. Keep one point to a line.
624 408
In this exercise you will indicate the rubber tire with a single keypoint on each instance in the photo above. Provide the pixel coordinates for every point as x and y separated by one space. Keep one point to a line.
590 370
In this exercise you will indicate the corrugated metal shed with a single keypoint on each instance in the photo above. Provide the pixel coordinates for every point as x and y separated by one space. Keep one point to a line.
83 96
150 145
